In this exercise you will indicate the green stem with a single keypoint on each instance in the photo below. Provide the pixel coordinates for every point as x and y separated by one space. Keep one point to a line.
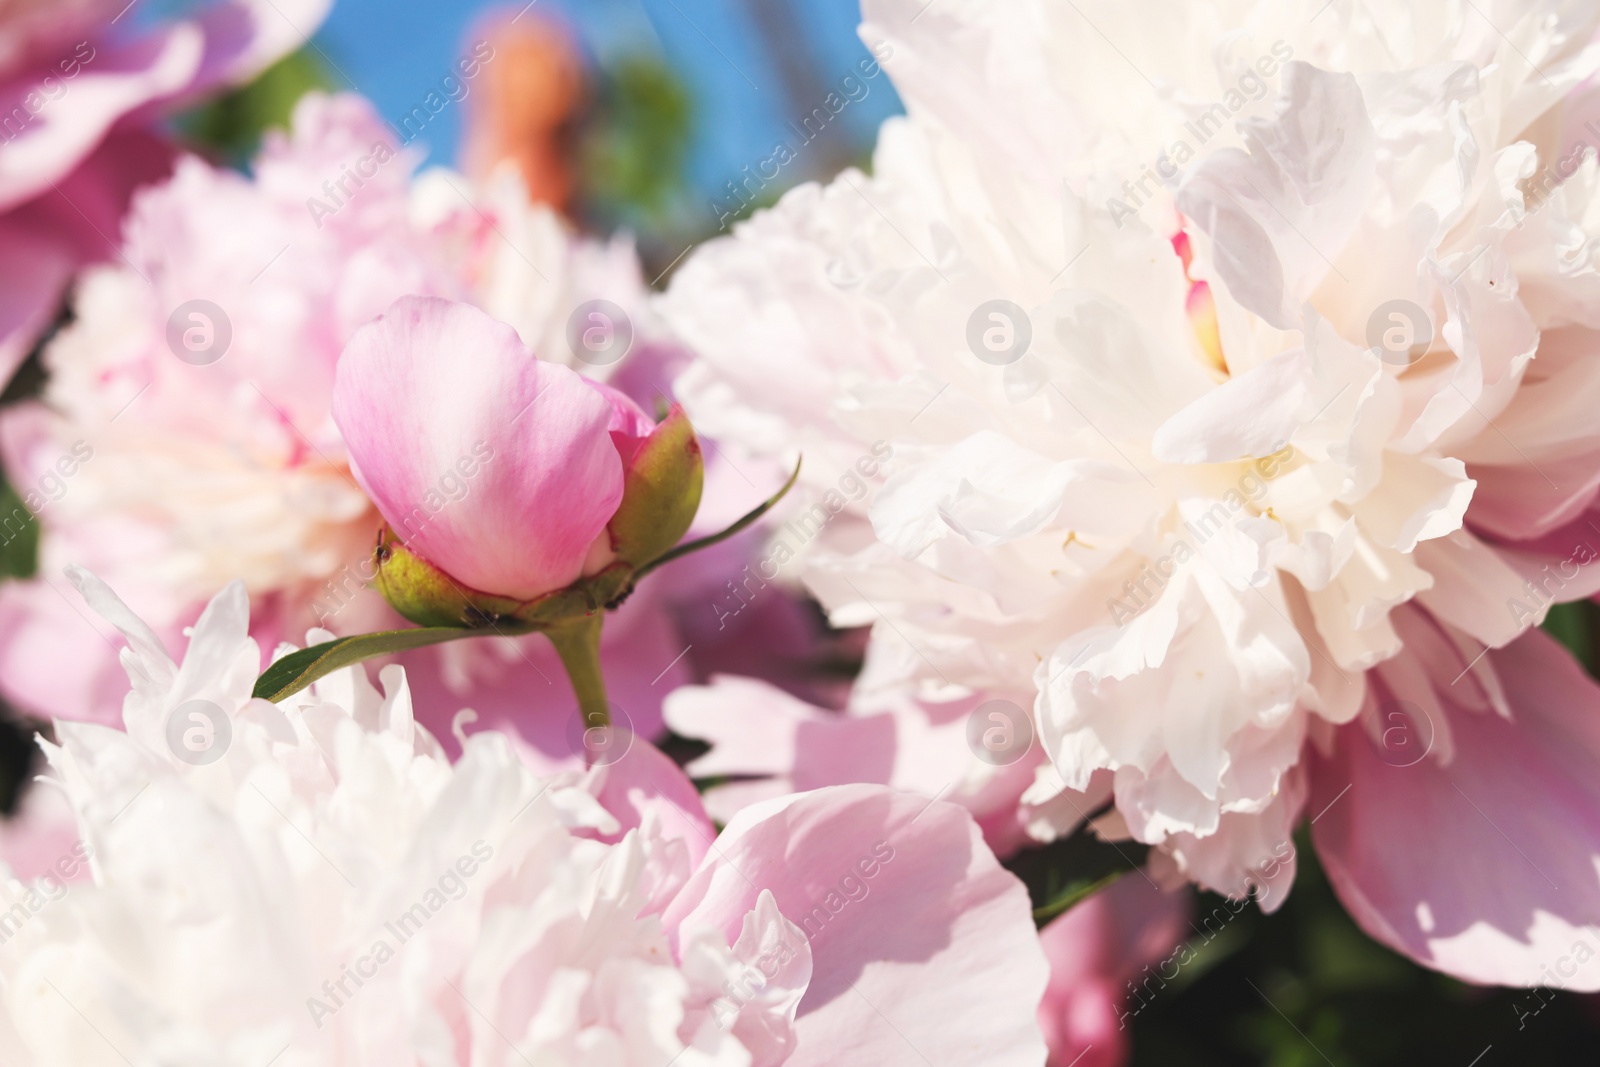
1074 894
578 644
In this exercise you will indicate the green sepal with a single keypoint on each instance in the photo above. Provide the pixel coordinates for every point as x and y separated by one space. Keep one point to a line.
427 595
660 492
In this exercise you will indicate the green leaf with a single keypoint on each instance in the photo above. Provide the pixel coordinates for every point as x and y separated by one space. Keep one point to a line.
299 669
632 152
232 124
1066 871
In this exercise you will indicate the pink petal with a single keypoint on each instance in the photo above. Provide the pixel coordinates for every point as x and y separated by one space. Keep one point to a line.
629 424
113 83
433 389
42 841
54 662
245 37
105 81
923 947
1486 867
45 241
35 265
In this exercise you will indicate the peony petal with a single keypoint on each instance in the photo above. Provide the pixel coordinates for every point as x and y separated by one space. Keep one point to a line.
1486 867
1094 950
921 943
112 84
1282 213
1254 414
644 784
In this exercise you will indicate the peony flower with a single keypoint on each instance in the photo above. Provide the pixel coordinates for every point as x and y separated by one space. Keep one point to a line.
1237 411
319 884
174 472
76 92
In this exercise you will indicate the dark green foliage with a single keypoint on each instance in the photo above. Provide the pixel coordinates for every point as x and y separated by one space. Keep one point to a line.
1304 987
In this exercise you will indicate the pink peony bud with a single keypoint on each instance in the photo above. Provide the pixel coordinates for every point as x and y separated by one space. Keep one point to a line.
497 473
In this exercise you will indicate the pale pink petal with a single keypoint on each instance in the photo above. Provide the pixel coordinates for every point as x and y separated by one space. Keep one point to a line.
244 37
645 784
45 241
1279 212
923 947
1253 414
54 661
41 840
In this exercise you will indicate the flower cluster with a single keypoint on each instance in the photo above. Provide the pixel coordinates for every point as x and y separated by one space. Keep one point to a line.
333 889
1190 412
199 374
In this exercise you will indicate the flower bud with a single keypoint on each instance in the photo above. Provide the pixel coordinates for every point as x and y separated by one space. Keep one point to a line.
514 490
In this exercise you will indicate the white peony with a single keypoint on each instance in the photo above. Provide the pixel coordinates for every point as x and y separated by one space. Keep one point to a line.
1183 445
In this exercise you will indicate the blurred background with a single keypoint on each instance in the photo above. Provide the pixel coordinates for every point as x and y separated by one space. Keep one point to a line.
672 119
661 117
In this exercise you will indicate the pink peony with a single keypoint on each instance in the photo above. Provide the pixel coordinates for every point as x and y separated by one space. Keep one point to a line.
197 475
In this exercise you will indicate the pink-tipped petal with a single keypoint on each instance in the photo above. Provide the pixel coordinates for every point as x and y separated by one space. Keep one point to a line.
433 395
629 424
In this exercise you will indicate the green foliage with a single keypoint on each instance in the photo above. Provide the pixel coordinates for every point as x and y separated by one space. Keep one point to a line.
1574 626
632 152
1305 987
231 125
1064 872
19 549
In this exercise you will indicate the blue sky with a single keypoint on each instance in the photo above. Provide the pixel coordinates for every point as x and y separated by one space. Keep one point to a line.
394 53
